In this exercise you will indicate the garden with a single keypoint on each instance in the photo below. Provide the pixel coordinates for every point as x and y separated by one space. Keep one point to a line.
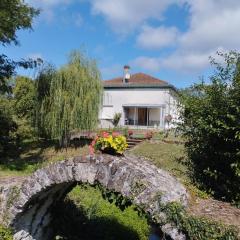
39 117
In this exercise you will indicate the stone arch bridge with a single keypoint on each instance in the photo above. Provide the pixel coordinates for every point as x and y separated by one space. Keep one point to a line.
26 205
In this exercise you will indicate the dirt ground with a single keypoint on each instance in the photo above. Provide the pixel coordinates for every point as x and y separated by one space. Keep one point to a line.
217 211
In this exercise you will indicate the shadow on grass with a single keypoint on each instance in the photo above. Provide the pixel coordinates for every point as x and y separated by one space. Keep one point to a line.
25 156
28 156
71 223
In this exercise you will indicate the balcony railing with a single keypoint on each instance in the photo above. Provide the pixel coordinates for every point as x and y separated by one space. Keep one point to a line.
151 123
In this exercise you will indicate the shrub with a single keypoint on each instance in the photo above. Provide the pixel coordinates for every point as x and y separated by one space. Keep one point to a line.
197 227
211 125
116 119
5 234
110 143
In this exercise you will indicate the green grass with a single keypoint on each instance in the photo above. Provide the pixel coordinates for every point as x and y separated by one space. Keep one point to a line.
96 218
170 157
34 155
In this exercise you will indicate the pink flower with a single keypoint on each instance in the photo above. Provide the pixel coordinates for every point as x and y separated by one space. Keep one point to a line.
93 143
105 134
91 150
115 134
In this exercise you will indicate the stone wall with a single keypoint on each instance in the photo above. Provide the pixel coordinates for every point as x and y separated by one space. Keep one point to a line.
27 206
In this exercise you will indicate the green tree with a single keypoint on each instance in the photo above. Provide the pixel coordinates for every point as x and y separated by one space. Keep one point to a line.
211 125
24 97
14 15
23 102
68 99
7 124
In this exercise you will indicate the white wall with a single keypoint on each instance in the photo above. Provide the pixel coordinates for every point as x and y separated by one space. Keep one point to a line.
114 99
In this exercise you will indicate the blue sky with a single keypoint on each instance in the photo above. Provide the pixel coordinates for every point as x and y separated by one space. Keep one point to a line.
169 39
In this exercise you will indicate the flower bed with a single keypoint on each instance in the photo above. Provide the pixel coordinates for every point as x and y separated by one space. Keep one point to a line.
114 143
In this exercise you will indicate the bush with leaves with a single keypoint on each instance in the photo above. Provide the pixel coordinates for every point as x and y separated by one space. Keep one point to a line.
211 125
8 125
199 228
5 234
116 119
24 106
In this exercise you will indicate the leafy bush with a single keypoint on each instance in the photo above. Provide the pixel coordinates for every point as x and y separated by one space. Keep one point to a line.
211 125
5 234
116 119
24 97
8 126
111 143
197 227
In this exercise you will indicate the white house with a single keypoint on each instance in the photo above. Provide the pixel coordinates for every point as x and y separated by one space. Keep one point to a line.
142 100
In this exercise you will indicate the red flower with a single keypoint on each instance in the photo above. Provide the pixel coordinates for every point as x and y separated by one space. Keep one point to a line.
130 133
105 134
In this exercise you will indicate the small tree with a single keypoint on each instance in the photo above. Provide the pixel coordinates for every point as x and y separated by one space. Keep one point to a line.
8 125
211 125
116 119
24 104
24 97
68 99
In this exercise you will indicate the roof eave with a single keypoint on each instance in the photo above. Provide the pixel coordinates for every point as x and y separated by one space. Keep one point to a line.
140 86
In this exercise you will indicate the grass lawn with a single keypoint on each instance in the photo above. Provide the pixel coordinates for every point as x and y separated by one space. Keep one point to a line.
170 157
86 215
34 155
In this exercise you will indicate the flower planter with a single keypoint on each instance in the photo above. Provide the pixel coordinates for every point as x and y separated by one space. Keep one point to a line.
110 151
114 144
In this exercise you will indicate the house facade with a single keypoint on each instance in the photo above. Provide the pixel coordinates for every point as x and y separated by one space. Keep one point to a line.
142 100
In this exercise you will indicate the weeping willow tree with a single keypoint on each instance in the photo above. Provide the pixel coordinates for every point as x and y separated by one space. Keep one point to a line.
68 99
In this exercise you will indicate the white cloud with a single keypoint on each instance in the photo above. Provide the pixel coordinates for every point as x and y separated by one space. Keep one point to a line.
213 25
124 16
47 7
156 38
190 62
186 63
147 63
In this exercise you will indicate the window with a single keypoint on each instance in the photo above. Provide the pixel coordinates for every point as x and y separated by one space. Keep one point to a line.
107 99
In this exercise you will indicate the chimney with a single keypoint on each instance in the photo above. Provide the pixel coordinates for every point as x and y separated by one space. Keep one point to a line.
126 75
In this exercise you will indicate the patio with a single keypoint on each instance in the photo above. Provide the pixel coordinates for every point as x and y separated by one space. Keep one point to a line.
149 116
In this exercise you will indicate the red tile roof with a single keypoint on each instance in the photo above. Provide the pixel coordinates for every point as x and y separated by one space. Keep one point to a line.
137 79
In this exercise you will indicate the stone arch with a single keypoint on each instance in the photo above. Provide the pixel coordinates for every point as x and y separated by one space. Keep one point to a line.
28 205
